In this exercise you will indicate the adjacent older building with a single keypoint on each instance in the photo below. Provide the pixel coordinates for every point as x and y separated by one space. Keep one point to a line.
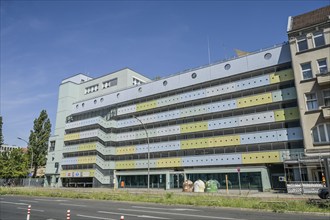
6 147
309 37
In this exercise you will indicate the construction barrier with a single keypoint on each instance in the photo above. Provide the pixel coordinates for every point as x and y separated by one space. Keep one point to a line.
28 213
68 215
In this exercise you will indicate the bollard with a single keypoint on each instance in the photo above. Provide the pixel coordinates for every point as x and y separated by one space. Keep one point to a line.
28 213
122 217
68 214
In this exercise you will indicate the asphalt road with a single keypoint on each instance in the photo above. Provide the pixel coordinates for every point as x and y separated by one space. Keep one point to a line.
45 208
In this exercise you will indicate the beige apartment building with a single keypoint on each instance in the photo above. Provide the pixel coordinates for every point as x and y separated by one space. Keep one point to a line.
309 39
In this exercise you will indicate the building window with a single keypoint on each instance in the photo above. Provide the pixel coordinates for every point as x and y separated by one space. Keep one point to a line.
306 71
326 97
52 146
302 44
110 83
268 56
321 133
91 89
319 39
322 64
137 82
311 101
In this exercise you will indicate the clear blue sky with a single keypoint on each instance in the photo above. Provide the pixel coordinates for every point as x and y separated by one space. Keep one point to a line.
43 42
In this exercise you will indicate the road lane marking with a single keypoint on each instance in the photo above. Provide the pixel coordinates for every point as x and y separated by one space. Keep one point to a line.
94 217
14 203
52 200
69 204
125 214
181 214
28 201
32 210
143 207
149 216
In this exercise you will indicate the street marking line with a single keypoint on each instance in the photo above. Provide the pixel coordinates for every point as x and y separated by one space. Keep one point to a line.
36 210
28 201
52 200
94 217
125 214
143 207
180 214
149 216
14 203
69 204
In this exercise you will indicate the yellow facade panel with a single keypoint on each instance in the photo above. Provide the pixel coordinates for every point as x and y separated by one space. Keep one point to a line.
128 164
261 157
146 105
169 162
86 147
286 114
254 100
125 150
70 137
281 76
222 141
87 160
194 127
195 143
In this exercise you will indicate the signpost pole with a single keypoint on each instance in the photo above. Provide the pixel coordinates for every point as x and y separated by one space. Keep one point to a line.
239 179
227 183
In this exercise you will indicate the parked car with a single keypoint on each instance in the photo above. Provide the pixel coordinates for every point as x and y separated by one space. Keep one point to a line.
324 193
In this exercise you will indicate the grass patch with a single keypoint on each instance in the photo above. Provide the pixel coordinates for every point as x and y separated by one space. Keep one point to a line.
170 198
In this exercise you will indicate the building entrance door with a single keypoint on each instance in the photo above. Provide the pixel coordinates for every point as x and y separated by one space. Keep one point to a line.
176 180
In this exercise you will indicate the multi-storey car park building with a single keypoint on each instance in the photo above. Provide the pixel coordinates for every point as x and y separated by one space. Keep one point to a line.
205 123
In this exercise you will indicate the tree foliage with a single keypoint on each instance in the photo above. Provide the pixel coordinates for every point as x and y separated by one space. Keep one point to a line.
1 136
38 141
14 164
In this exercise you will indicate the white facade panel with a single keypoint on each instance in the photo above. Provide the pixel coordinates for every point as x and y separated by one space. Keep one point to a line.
251 62
210 160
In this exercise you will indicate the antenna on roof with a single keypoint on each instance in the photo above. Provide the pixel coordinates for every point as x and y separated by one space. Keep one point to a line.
224 50
208 49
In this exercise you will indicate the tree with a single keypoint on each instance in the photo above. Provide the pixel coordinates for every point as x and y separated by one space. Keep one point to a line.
1 136
14 164
38 141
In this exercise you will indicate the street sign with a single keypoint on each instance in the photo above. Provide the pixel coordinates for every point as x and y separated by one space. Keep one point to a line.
30 174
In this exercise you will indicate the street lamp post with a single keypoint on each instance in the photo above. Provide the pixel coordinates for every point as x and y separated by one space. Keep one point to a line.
144 127
31 165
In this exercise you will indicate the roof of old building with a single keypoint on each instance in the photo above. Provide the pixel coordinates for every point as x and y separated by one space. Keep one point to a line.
311 18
